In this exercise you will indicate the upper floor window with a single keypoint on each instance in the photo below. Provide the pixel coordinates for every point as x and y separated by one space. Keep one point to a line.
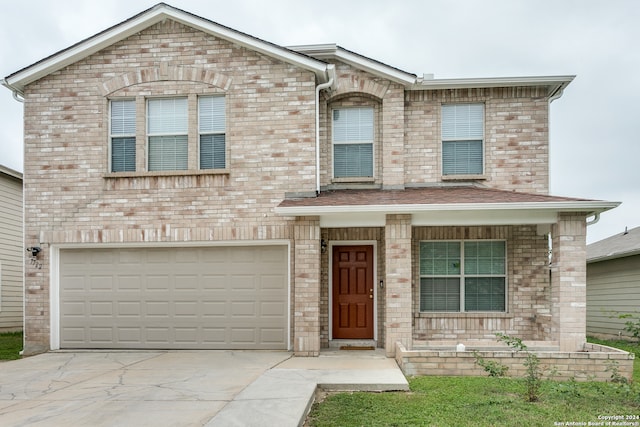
211 126
353 133
123 135
462 139
167 130
463 276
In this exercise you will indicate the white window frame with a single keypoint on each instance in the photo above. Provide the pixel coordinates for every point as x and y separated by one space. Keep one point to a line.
113 136
354 142
222 132
462 276
151 134
482 139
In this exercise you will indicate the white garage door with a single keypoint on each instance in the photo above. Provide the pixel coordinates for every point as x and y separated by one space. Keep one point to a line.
174 298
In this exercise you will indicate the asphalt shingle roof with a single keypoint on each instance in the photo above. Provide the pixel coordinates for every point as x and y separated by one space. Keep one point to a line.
422 196
619 245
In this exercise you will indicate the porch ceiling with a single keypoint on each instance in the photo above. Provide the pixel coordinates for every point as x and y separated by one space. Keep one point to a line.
451 205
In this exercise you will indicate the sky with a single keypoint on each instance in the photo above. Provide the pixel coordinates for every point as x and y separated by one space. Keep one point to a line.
594 138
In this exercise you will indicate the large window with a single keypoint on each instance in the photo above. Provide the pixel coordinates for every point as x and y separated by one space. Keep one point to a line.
211 126
167 128
463 276
353 142
123 135
462 139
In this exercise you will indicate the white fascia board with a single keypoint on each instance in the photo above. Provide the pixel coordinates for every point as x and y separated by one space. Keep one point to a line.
560 206
554 82
333 51
19 80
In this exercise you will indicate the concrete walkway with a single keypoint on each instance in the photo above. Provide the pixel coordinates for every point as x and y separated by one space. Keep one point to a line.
181 388
283 395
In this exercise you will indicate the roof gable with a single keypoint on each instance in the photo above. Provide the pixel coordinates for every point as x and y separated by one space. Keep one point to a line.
18 80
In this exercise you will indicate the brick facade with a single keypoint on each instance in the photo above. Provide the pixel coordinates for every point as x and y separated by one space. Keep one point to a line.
71 198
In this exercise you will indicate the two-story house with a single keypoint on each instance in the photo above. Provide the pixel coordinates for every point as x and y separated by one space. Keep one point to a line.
190 186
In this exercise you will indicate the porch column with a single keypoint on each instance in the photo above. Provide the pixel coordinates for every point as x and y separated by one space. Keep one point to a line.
397 282
569 281
306 317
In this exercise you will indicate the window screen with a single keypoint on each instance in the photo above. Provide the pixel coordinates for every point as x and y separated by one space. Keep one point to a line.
123 135
167 130
353 131
462 139
211 126
470 274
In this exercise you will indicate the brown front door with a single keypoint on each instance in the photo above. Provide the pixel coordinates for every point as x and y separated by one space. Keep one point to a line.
352 292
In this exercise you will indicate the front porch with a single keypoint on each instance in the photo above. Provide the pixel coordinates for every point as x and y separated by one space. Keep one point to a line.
385 233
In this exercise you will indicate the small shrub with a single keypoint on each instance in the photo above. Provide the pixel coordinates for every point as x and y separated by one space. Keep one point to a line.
492 367
533 377
616 377
633 325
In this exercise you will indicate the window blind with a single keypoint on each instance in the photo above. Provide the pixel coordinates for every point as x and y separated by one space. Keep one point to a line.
353 125
168 153
123 117
484 294
476 268
462 121
462 157
462 139
212 126
123 155
123 131
212 152
167 116
353 142
440 294
211 114
351 160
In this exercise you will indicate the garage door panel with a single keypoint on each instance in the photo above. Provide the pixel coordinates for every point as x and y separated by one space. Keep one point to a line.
195 298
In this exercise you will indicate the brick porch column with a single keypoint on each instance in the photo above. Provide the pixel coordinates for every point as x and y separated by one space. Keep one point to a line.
306 276
397 284
569 281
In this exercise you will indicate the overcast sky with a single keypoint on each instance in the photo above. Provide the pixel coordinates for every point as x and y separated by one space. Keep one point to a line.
595 144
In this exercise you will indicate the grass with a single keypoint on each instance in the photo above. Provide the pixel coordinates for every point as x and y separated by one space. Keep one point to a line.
483 401
10 345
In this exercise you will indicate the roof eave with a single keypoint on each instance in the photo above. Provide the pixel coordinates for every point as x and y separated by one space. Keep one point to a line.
612 256
590 207
333 51
10 172
554 84
20 79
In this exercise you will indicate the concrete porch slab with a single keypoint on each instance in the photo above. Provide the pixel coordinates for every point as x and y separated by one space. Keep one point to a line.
283 395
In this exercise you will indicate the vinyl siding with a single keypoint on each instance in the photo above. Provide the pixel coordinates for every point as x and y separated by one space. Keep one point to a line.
11 253
613 287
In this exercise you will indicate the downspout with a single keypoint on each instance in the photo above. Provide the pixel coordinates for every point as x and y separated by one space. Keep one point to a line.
331 71
556 94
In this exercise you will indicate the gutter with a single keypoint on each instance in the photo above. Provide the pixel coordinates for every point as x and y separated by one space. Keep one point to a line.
17 95
586 206
331 71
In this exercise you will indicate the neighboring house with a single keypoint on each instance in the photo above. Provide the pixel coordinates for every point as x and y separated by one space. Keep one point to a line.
613 283
11 250
192 186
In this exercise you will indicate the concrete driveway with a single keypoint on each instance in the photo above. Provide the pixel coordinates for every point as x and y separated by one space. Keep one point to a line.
141 388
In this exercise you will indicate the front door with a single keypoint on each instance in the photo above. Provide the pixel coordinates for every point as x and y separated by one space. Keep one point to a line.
352 292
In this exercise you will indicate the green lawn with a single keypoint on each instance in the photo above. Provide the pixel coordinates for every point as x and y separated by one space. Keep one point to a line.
10 345
483 401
